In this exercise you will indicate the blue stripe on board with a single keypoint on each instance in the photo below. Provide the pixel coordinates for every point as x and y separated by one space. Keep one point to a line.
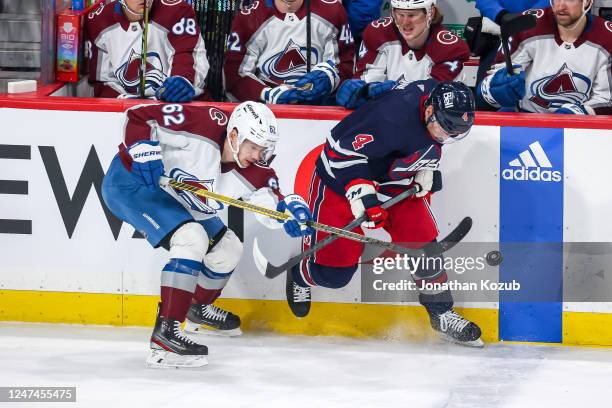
531 233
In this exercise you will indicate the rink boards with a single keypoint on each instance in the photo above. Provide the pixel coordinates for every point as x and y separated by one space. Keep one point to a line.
66 259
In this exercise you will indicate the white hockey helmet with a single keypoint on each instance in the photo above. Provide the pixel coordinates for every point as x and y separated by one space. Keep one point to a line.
413 4
254 121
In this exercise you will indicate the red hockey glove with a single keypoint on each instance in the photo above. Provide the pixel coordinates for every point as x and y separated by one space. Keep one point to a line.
362 197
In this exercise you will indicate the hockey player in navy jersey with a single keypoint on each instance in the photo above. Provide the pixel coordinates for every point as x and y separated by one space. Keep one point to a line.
201 146
379 150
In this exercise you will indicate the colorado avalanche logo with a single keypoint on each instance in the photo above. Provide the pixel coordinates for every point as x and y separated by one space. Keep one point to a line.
290 64
195 202
566 86
129 73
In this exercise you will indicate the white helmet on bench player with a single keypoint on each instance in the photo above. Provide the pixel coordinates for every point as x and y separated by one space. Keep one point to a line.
253 121
414 5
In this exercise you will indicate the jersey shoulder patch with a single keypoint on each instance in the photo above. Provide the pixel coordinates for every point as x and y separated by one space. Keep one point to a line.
600 33
101 17
379 32
446 46
175 15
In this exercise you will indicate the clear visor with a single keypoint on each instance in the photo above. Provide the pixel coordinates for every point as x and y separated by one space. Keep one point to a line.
441 135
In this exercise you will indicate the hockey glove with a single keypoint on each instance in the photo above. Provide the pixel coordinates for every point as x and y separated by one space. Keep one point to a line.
318 83
295 206
379 88
175 89
352 93
282 94
147 164
362 197
429 181
501 89
572 109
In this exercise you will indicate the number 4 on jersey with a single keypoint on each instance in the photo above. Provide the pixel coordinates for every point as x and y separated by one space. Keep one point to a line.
362 140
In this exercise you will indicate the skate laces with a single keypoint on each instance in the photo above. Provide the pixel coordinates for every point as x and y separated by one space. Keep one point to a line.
301 293
214 313
179 333
452 320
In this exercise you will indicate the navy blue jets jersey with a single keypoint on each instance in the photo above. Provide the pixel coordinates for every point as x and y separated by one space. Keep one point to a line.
385 141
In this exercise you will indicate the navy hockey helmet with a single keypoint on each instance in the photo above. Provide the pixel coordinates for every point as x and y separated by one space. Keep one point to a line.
453 108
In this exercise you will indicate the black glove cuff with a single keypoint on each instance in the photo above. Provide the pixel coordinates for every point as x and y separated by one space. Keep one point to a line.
500 15
437 181
370 200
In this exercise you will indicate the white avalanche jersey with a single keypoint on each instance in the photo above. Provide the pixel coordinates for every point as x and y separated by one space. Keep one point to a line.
384 54
191 139
268 48
174 47
557 73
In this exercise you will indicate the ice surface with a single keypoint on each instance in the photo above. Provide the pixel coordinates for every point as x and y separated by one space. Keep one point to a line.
106 364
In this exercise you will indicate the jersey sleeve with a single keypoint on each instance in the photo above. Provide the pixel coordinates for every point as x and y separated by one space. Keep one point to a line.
175 125
489 8
95 23
242 54
449 54
361 12
258 185
600 99
185 38
371 63
341 48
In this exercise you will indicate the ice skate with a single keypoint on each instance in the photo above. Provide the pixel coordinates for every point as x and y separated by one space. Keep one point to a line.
298 297
454 328
171 348
210 319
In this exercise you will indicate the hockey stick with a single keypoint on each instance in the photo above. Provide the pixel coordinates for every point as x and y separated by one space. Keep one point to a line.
283 217
513 26
271 271
143 57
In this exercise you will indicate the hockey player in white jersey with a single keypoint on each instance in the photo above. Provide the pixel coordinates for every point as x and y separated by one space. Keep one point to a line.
563 65
176 55
267 53
201 146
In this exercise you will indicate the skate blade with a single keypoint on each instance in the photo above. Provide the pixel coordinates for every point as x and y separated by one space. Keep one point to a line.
165 359
196 329
478 343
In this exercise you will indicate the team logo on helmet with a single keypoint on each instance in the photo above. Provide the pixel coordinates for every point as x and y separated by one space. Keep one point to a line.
128 73
565 86
465 117
448 99
288 65
609 25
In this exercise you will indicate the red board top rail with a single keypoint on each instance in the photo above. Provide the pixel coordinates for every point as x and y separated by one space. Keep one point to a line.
532 120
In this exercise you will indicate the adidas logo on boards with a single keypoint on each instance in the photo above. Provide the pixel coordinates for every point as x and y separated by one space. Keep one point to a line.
532 165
